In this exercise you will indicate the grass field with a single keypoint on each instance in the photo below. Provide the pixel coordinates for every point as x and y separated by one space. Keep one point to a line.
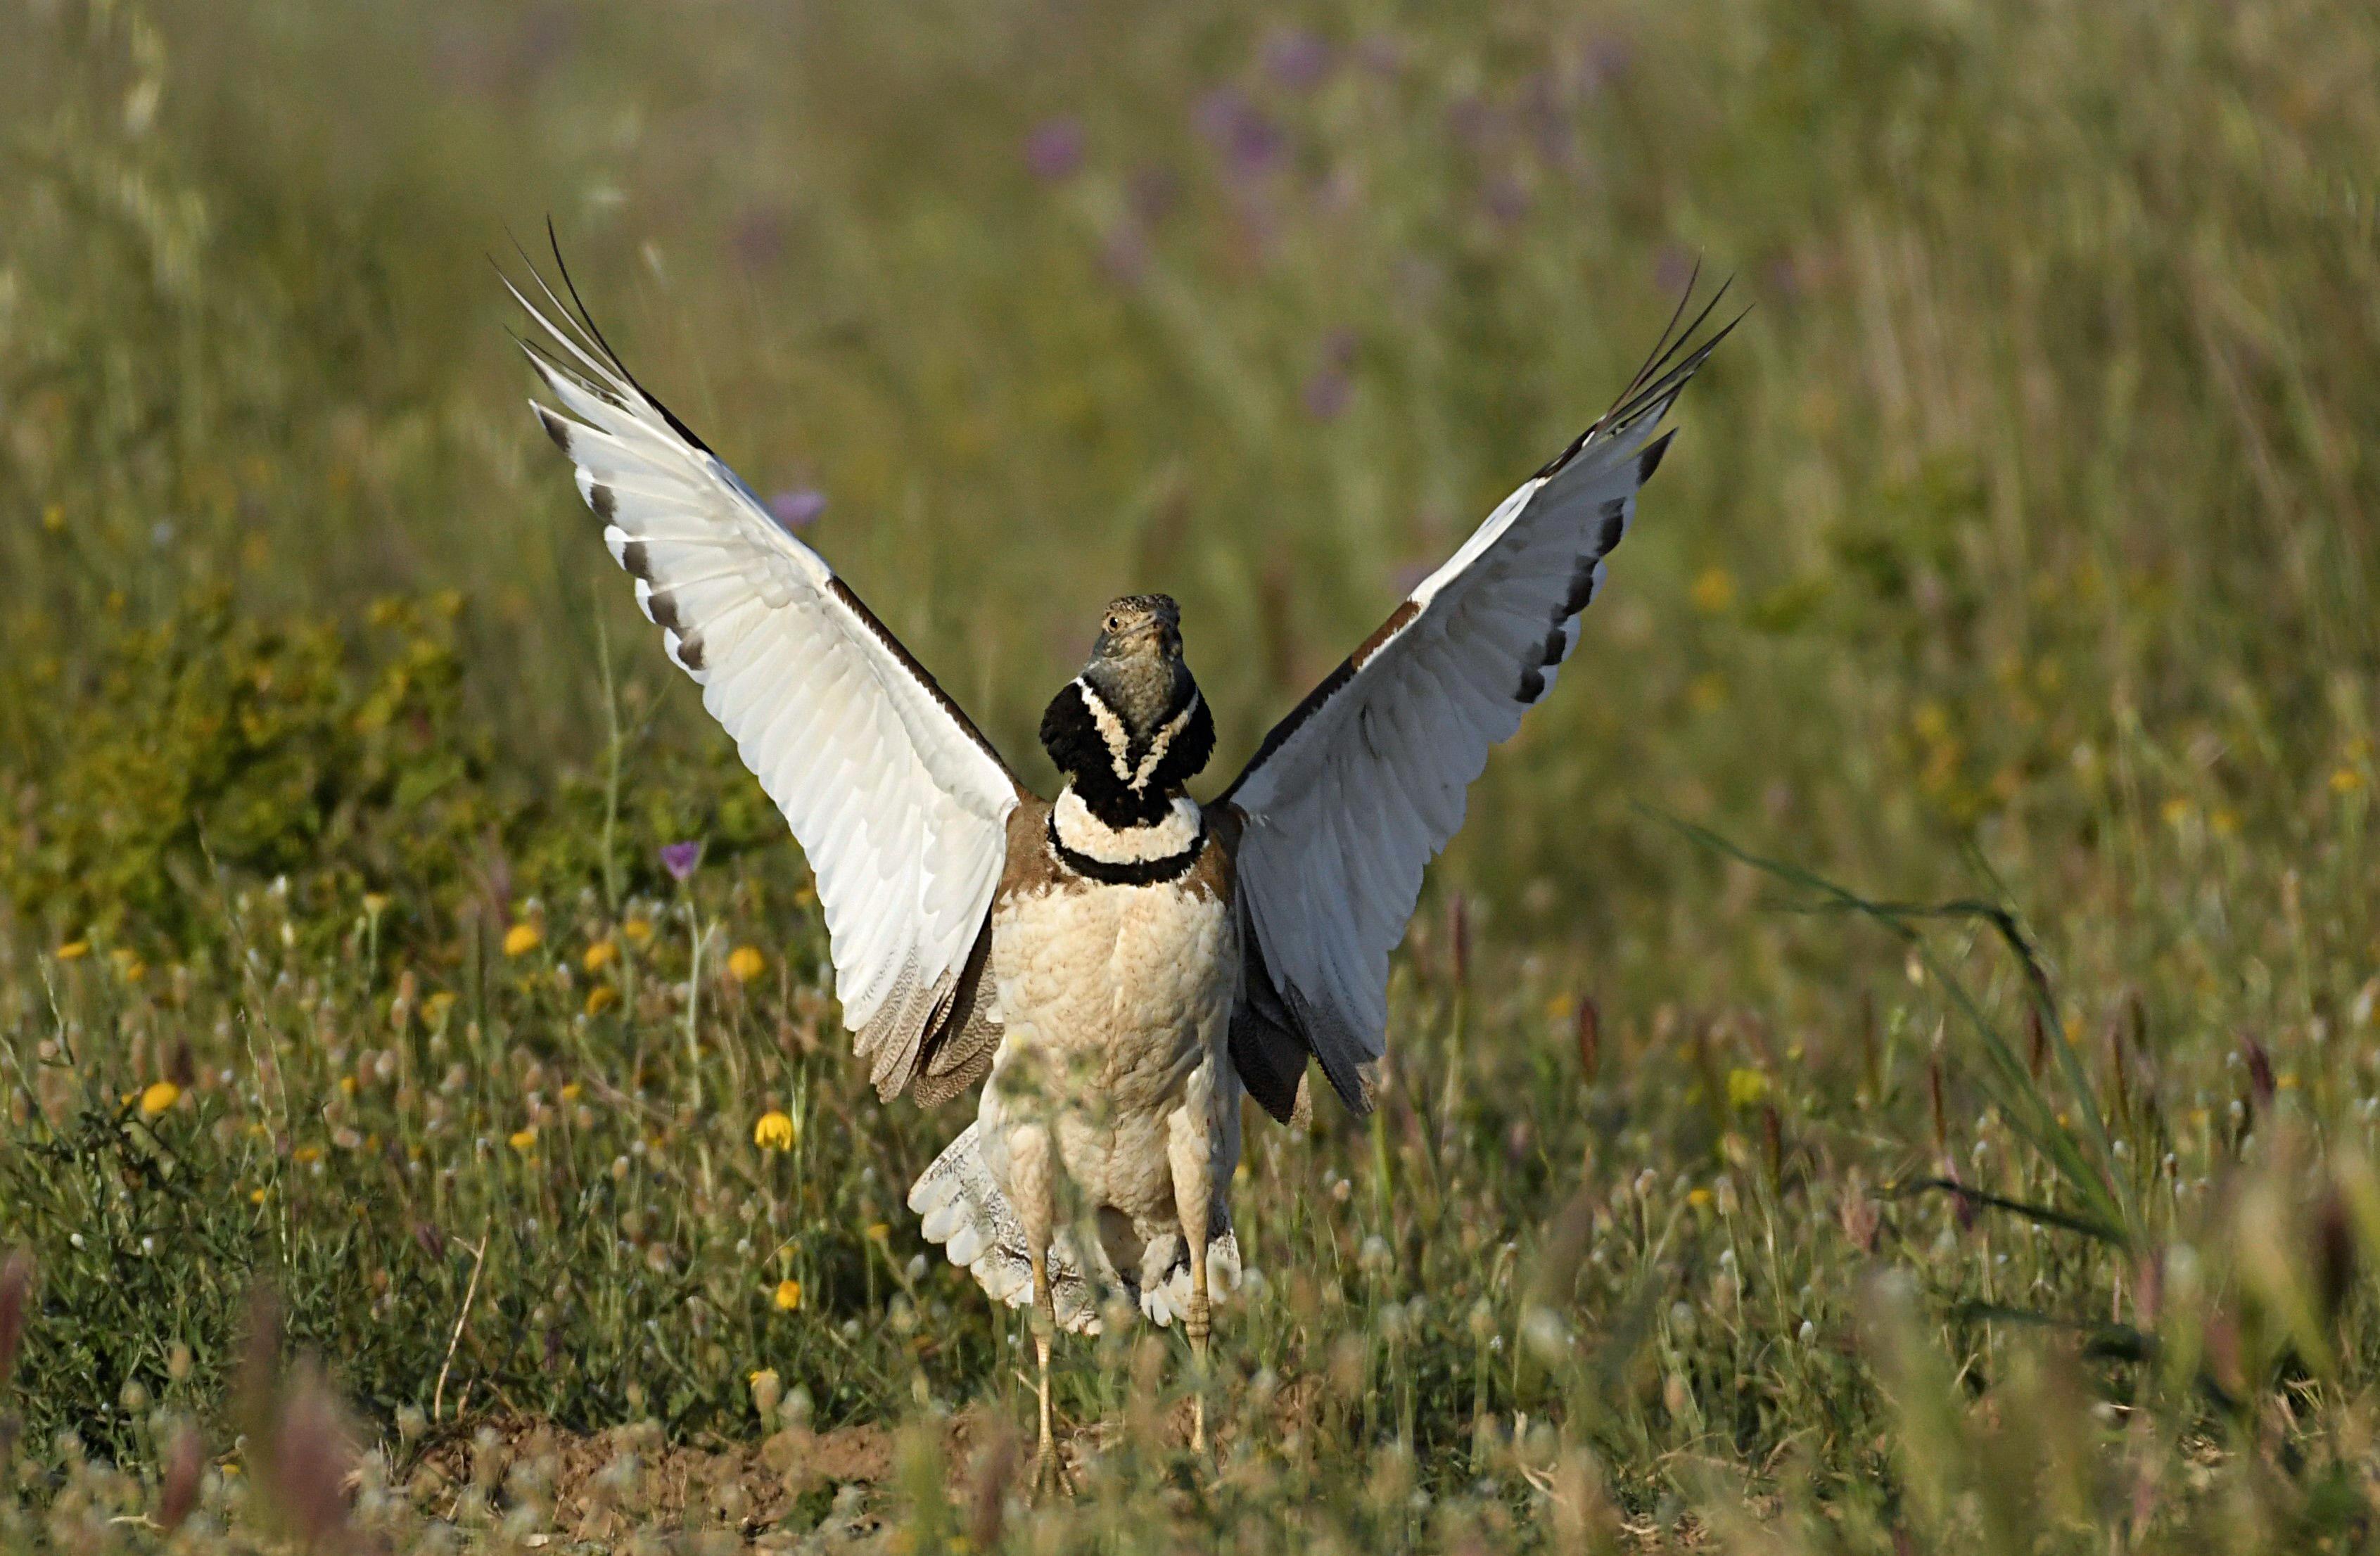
383 1123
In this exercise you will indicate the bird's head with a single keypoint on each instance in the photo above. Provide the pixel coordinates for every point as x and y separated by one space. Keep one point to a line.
1133 720
1136 662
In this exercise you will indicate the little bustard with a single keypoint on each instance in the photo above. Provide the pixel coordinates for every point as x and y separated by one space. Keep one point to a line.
1119 964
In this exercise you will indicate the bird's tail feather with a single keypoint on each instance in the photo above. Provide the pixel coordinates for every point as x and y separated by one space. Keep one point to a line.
963 1209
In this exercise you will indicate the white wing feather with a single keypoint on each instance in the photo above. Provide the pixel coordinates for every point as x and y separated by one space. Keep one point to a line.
899 804
1353 793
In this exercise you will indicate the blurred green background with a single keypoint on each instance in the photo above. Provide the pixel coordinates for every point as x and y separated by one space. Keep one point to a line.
2031 493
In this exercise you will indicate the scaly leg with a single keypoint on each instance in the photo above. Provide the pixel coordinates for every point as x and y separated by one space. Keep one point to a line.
1030 1183
1046 1471
1191 1155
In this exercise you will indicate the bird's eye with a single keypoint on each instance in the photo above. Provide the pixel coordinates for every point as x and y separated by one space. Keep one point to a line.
1112 623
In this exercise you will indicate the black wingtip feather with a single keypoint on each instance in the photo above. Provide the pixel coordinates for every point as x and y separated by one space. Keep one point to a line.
1650 460
1661 376
579 317
588 319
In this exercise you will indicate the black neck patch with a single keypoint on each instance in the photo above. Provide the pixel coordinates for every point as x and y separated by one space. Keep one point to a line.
1137 873
1071 734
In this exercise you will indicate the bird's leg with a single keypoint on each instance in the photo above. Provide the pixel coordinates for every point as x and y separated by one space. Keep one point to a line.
1046 1471
1030 1168
1191 1155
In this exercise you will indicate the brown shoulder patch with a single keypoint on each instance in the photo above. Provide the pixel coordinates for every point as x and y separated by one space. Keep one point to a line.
1031 866
1215 876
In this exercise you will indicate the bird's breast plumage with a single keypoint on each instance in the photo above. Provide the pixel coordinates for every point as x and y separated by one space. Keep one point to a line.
1110 991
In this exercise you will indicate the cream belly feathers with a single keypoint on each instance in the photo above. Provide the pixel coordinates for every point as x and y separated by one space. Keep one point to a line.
1111 1098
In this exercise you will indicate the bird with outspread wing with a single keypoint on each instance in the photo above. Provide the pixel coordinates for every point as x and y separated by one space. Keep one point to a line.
1119 964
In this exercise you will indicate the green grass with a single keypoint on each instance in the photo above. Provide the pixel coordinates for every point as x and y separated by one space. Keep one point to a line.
2018 550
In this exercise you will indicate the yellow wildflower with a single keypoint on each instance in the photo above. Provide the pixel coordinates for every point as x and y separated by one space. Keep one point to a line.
1713 590
159 1096
523 1139
637 931
2346 781
74 951
522 939
571 1091
879 1233
306 1156
437 1005
1746 1088
600 998
376 903
788 1295
746 963
1698 1198
774 1132
2176 811
600 955
256 1196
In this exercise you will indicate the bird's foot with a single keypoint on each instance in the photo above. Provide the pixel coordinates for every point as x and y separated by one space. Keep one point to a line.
1049 1475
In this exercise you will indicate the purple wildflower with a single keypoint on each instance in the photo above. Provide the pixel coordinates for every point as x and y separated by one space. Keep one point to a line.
1383 54
1335 193
1053 151
757 237
796 508
1327 391
1472 120
1299 60
1607 58
679 860
1156 190
1251 145
1326 394
1507 197
1123 253
1673 267
1545 108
